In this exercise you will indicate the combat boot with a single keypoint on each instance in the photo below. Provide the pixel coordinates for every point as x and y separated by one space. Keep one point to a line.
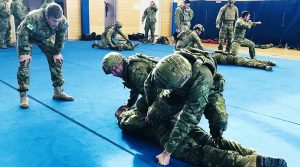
246 161
268 68
60 95
3 46
24 100
264 161
271 63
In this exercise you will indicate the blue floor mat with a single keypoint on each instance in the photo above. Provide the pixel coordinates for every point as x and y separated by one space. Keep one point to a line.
263 112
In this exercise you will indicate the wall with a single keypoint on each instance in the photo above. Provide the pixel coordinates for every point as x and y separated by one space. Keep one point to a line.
166 17
96 16
73 15
128 13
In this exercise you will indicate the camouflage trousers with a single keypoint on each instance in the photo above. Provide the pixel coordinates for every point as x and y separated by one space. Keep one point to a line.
245 43
197 147
245 62
149 26
118 46
17 23
226 32
23 74
5 32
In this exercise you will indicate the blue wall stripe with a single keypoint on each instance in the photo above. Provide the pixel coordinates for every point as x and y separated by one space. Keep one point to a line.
85 17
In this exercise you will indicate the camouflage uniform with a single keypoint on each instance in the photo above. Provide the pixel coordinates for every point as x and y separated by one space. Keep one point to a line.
227 16
4 24
34 29
107 39
19 11
188 38
183 18
198 147
150 16
46 2
239 37
189 100
228 59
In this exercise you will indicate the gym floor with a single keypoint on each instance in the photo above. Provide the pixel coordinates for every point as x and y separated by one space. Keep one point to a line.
263 110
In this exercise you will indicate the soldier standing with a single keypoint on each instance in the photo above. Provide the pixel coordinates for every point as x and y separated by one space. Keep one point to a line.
227 15
19 11
150 16
190 38
242 24
107 39
37 28
5 25
183 16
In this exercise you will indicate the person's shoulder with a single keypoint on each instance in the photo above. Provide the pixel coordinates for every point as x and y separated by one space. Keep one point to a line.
36 13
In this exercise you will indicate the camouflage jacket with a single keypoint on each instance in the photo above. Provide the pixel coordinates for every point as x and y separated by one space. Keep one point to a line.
188 38
46 2
240 28
4 10
183 16
18 9
227 13
150 14
110 33
35 29
195 92
136 70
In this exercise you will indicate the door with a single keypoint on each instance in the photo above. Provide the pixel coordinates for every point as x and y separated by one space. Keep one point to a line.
143 5
109 12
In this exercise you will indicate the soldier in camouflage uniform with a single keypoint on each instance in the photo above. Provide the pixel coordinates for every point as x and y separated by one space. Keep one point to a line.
190 38
239 39
198 147
227 15
183 16
46 2
19 11
107 39
229 59
150 16
36 28
133 72
5 25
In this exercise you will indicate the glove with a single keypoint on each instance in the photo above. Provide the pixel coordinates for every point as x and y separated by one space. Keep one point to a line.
120 110
216 132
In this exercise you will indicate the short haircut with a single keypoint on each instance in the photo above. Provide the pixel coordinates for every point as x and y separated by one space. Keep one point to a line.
186 1
245 13
54 10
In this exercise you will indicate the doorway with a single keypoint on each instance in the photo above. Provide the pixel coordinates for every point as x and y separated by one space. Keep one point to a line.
109 12
143 5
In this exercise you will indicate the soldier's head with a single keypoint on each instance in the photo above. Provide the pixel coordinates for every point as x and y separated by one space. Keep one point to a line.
53 13
231 2
112 63
6 0
118 24
198 28
172 72
186 4
246 15
152 3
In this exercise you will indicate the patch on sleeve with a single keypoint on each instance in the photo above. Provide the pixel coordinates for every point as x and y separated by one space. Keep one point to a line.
30 27
65 26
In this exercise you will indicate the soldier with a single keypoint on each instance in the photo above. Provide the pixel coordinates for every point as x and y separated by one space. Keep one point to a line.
107 39
183 16
242 24
190 38
133 72
229 59
198 147
36 28
150 16
227 15
19 11
46 2
5 25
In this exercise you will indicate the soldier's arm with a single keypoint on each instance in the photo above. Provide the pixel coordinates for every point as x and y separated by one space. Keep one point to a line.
244 24
150 90
19 13
123 35
236 13
132 98
60 36
23 37
198 42
5 12
191 13
109 35
219 16
191 113
155 8
177 17
144 15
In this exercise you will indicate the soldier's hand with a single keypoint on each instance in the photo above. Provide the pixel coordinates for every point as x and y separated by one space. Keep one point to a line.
163 158
218 26
120 110
58 58
216 132
25 58
259 22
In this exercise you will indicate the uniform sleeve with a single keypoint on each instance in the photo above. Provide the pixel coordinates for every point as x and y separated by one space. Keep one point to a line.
144 15
219 16
236 13
243 24
23 37
191 13
60 37
5 13
155 8
18 9
134 94
198 42
109 35
150 90
177 17
191 112
122 35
